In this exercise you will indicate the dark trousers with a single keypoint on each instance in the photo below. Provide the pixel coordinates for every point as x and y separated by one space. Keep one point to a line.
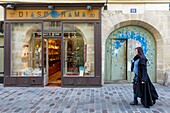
135 86
134 90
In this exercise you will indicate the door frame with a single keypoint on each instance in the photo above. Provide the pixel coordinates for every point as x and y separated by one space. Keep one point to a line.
2 77
52 38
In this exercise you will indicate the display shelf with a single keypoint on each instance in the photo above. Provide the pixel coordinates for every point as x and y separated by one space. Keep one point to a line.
54 68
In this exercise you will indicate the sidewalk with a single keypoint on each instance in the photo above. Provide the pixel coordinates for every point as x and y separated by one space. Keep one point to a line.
111 98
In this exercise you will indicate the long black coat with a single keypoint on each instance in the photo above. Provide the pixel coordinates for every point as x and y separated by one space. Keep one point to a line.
145 91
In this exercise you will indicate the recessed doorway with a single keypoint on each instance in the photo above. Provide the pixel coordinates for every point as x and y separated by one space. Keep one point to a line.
52 62
120 50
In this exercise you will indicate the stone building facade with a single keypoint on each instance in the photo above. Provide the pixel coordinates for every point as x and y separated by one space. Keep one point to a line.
155 18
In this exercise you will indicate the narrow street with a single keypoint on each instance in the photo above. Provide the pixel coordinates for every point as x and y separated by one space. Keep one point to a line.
110 98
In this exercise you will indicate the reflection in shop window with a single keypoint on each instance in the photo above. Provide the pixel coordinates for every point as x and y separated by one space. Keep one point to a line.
79 49
26 50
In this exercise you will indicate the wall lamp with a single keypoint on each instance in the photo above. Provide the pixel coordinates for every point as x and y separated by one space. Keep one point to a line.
10 6
50 7
105 6
88 7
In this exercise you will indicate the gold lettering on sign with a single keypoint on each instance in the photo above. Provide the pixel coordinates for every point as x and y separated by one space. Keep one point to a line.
52 14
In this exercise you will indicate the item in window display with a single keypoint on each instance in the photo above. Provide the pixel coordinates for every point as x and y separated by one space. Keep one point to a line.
14 73
39 50
74 65
29 70
24 73
20 73
69 49
77 48
81 71
78 58
37 72
75 60
73 69
87 67
24 56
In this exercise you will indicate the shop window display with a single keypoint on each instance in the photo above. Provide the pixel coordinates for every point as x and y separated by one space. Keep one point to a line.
79 49
26 49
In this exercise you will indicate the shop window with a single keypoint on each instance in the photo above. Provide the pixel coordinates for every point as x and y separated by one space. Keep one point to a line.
52 29
26 49
79 49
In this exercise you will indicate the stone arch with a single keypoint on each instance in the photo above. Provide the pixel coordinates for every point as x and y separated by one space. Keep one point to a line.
29 33
139 23
158 40
82 31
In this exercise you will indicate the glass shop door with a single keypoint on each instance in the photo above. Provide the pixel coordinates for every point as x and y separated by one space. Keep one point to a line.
52 62
52 33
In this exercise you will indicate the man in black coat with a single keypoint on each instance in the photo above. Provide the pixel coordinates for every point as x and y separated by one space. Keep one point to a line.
142 84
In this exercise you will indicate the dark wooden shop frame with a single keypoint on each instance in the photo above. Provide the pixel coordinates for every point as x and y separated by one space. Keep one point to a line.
2 72
66 81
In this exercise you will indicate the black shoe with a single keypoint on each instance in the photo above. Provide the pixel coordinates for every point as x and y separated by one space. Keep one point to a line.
134 103
146 106
154 101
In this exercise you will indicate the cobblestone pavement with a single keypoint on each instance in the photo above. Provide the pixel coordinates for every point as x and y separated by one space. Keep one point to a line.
111 98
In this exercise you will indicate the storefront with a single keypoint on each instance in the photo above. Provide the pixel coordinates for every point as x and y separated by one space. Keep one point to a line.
52 44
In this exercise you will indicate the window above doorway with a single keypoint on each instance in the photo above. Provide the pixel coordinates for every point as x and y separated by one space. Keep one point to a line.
52 29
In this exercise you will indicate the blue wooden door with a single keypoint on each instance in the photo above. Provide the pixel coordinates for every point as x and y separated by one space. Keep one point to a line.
116 60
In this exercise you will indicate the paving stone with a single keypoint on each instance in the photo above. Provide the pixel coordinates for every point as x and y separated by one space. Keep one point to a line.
46 111
34 112
160 110
51 104
17 110
104 111
91 110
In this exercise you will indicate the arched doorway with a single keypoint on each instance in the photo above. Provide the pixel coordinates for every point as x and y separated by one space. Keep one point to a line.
120 48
